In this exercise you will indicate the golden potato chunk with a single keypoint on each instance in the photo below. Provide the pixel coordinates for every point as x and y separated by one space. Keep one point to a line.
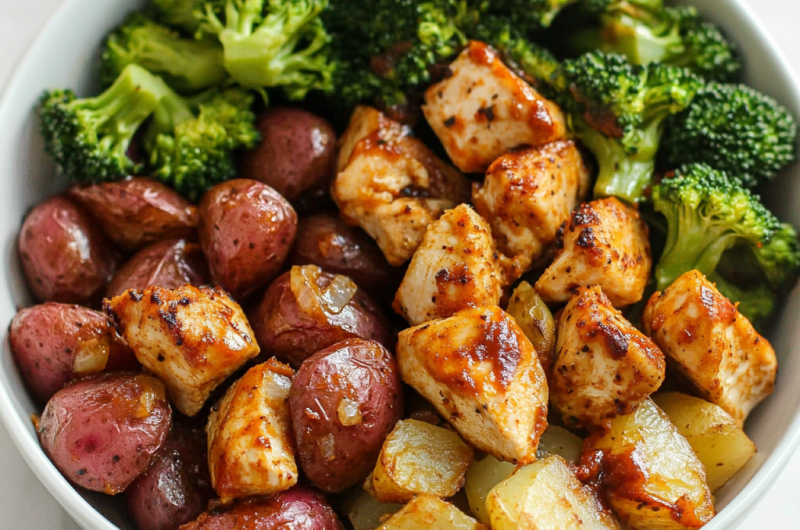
651 476
391 185
717 440
191 338
557 440
250 444
482 476
705 337
482 374
527 194
416 458
484 110
455 267
604 366
426 511
364 511
603 243
545 495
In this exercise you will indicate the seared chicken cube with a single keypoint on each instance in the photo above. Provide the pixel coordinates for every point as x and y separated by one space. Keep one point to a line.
250 443
391 185
527 194
455 267
603 243
483 375
706 338
482 109
191 338
604 366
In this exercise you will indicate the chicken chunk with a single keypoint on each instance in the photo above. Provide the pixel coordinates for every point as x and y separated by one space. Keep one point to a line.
190 338
481 373
712 344
604 366
527 194
250 443
603 243
391 185
454 268
481 110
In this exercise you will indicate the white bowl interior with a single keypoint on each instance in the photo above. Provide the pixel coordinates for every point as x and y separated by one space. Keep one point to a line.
64 57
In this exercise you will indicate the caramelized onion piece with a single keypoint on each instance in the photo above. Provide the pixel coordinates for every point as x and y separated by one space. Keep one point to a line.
318 301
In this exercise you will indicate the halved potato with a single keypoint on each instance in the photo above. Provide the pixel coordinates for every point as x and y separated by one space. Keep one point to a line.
716 438
651 476
427 511
545 495
364 511
417 458
482 476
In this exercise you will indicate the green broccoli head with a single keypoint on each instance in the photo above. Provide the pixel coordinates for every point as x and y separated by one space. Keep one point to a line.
192 144
187 65
646 31
280 43
89 138
618 111
178 14
530 15
736 129
755 301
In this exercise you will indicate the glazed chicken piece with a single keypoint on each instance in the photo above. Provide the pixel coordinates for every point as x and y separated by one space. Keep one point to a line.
482 110
527 194
391 185
483 375
712 344
604 366
191 338
250 444
603 243
454 268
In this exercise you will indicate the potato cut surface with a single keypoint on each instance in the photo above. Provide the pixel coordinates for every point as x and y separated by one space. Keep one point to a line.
426 511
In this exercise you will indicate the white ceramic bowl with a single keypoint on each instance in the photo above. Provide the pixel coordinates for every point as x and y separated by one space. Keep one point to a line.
64 55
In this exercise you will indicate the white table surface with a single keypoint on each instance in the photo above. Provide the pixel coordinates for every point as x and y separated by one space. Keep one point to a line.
24 502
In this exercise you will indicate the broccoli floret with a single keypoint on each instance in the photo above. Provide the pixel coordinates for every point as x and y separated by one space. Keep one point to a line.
735 129
275 43
530 15
618 110
756 302
89 138
191 143
645 31
185 64
179 14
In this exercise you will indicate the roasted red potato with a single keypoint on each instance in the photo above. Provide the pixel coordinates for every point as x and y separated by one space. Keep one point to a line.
54 343
102 431
246 230
137 211
344 401
169 264
306 310
296 155
64 255
176 487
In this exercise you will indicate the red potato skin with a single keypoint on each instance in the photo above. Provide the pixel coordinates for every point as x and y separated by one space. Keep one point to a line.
102 431
45 340
285 330
336 247
298 508
296 155
137 211
170 264
64 256
176 487
366 374
246 231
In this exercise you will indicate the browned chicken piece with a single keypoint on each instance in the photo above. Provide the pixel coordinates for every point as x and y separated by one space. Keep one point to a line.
706 338
527 194
250 444
454 268
483 375
391 185
482 110
190 338
605 243
604 366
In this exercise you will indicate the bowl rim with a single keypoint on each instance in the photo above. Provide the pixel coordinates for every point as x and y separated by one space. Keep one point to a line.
88 517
